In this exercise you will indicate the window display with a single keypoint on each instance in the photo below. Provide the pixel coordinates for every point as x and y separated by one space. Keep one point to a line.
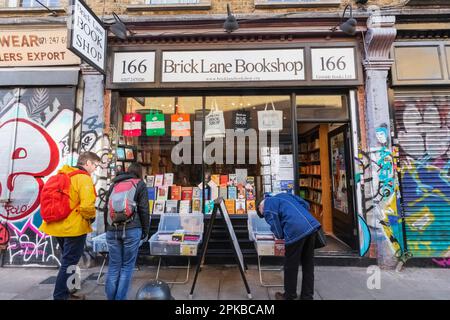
212 150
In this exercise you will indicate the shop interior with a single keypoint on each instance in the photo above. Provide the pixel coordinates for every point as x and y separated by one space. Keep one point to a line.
179 159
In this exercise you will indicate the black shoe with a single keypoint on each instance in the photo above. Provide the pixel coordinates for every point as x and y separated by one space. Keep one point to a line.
283 296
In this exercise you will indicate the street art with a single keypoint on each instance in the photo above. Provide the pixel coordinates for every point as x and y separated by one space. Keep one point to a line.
35 139
424 139
444 263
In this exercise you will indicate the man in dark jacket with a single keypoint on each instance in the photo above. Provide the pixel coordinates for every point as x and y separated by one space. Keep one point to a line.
123 239
289 219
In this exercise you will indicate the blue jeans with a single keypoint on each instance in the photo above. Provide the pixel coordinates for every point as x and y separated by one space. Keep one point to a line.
71 252
122 259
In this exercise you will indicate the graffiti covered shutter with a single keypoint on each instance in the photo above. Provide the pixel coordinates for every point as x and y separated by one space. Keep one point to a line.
423 130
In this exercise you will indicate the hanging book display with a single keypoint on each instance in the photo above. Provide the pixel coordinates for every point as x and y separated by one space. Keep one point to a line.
132 126
270 120
155 125
180 124
215 123
241 120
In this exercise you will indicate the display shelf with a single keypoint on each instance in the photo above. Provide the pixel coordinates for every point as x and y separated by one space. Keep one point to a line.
310 188
310 174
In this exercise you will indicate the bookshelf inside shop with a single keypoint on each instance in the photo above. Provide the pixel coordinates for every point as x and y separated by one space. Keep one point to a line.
314 173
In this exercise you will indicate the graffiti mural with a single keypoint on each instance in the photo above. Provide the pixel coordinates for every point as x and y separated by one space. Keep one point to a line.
424 139
35 139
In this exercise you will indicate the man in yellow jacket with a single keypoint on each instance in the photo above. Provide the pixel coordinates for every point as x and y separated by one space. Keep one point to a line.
71 232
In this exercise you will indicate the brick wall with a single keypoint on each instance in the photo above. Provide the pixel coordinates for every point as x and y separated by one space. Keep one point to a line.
217 7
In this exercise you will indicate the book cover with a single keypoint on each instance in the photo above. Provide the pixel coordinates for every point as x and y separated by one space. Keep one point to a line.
223 180
196 206
209 206
214 189
196 193
150 181
185 206
163 193
152 192
241 192
251 206
172 206
175 192
186 193
230 204
232 179
279 248
287 185
168 179
216 179
240 206
223 192
150 206
232 193
159 180
241 176
159 207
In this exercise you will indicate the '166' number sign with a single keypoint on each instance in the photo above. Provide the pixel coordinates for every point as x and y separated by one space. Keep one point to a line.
333 64
134 67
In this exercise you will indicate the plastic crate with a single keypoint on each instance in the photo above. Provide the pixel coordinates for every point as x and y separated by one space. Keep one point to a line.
172 224
257 225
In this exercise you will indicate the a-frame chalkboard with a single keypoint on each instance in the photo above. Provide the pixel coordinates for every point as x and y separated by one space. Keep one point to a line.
219 205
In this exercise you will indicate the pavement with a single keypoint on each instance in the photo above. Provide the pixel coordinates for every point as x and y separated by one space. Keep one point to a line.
218 282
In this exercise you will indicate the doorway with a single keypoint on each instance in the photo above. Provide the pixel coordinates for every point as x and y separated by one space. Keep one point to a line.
325 169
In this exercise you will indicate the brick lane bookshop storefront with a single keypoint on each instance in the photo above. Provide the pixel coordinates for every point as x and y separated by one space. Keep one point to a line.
239 122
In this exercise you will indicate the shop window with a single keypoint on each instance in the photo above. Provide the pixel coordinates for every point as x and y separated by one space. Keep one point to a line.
407 67
29 3
245 164
322 107
169 4
193 148
295 3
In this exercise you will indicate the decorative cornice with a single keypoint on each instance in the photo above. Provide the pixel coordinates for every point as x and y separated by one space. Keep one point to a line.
379 39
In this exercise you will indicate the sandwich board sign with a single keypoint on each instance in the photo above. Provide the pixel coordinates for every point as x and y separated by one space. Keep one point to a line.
219 206
87 35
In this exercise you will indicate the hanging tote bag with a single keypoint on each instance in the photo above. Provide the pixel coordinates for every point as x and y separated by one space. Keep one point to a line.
270 120
180 124
241 120
155 124
132 126
215 123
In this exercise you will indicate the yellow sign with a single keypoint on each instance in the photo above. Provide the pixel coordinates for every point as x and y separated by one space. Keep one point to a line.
35 48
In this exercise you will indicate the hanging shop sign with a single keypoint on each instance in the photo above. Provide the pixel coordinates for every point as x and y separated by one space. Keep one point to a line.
134 67
28 48
87 36
333 64
238 65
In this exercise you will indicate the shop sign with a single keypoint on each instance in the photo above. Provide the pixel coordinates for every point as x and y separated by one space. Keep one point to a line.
88 37
134 67
333 64
233 65
29 48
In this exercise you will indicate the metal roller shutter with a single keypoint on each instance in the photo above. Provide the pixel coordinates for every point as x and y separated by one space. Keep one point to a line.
423 131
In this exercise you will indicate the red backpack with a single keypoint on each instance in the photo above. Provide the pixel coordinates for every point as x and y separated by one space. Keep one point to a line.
55 197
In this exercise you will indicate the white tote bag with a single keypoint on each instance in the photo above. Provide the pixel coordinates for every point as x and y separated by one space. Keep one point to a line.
270 120
215 123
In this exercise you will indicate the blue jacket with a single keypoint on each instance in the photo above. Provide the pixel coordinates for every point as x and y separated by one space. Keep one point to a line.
289 218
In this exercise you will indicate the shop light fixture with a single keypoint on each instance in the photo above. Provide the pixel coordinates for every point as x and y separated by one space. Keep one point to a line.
120 29
231 23
349 26
52 12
